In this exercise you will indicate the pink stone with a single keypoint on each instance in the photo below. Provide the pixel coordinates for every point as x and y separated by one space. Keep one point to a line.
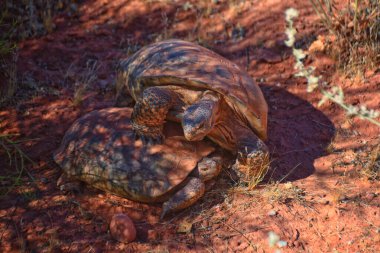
122 228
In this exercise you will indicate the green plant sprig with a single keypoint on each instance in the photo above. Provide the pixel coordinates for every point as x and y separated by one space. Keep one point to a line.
17 158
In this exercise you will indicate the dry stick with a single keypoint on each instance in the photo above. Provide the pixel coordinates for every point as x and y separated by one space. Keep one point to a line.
242 234
248 61
325 18
356 17
290 172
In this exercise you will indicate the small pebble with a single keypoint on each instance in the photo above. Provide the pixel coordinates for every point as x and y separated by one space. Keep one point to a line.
272 213
122 228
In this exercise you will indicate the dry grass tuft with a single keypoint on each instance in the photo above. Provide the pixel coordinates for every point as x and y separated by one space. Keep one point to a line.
35 18
371 169
8 59
8 75
355 29
86 78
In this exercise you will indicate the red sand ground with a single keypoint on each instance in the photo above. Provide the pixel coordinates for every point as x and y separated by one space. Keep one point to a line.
327 204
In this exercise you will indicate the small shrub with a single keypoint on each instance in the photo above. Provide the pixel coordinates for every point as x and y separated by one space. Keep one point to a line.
333 93
371 169
8 59
17 160
355 40
87 77
35 17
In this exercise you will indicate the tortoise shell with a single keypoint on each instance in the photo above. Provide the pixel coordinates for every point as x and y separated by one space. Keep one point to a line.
177 62
100 149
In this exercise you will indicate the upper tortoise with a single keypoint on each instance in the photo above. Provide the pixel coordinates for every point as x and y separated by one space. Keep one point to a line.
208 94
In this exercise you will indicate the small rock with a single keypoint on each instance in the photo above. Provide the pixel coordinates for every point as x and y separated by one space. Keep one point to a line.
122 228
272 213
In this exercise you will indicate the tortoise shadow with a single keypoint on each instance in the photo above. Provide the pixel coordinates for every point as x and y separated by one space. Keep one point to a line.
298 135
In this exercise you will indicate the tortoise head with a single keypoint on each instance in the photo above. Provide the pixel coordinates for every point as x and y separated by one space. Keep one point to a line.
199 119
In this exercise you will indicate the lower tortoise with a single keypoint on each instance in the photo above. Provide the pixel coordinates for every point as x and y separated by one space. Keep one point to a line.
100 149
209 95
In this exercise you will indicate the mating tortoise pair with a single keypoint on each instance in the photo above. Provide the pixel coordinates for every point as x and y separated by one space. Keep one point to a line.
185 83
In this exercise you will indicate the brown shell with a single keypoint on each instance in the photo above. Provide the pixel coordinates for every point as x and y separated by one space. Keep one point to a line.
177 62
100 149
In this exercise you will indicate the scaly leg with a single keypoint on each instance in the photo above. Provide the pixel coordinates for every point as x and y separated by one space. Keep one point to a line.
150 111
208 168
185 197
253 156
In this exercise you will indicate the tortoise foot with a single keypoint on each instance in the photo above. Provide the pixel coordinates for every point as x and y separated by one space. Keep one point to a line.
252 164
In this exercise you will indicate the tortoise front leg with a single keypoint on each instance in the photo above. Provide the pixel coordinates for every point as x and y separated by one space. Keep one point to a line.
253 156
209 167
150 111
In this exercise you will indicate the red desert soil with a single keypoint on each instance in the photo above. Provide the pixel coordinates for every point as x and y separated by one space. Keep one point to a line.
324 203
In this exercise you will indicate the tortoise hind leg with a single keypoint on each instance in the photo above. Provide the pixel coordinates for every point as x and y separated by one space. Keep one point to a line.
185 197
208 168
150 111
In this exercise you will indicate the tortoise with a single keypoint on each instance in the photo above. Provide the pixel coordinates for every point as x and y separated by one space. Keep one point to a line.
209 95
100 149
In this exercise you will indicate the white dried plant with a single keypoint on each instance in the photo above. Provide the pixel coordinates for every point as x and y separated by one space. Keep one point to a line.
334 93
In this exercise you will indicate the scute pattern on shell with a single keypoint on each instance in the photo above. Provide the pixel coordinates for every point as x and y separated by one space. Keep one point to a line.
100 149
177 62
